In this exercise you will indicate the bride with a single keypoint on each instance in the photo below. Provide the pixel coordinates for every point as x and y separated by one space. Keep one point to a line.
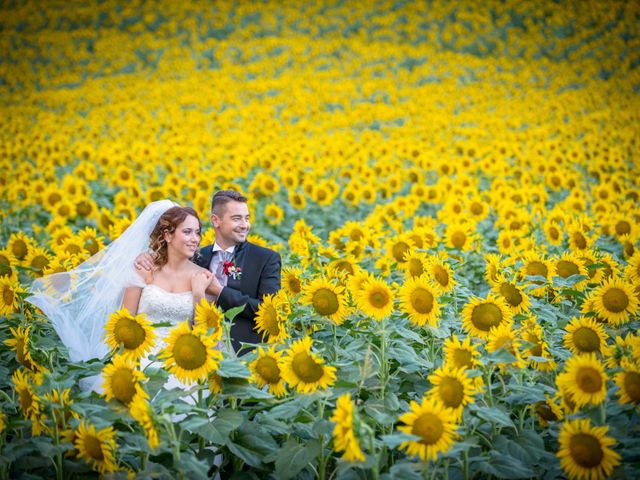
78 303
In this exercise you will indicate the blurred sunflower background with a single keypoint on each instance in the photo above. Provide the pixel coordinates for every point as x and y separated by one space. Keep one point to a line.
454 188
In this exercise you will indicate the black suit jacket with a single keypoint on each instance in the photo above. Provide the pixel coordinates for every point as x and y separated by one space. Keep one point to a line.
260 269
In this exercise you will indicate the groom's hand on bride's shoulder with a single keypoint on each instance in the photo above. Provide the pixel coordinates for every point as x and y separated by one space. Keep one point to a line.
214 287
144 261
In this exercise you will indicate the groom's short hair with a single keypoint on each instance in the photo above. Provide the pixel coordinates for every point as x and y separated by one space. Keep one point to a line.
222 197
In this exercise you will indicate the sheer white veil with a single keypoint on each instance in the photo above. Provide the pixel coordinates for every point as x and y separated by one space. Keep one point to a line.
78 303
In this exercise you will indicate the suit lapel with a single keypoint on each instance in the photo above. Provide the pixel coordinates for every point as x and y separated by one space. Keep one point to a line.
204 258
238 258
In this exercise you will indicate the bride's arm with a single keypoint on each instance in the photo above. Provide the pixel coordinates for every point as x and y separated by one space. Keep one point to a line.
199 282
131 299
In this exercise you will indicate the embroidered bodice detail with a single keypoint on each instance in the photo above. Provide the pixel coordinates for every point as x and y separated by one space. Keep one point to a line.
162 306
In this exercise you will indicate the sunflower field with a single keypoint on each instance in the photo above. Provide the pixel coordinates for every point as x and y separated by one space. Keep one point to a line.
454 189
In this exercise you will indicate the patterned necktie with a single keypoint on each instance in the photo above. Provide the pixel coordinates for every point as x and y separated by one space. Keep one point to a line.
222 258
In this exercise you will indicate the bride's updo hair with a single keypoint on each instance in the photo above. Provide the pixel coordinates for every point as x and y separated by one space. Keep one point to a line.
167 223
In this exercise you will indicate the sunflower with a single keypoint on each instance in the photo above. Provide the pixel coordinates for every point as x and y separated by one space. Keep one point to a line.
122 380
345 431
20 344
579 241
494 266
190 355
418 298
19 245
7 264
60 403
134 333
291 281
30 403
415 263
628 381
397 246
515 296
504 337
9 291
96 447
453 388
460 236
92 242
274 214
209 317
584 451
532 333
441 274
632 270
433 423
327 299
265 370
344 266
479 316
584 379
459 354
140 409
553 232
585 335
38 260
615 300
215 383
570 264
548 411
534 264
305 370
375 299
271 317
507 242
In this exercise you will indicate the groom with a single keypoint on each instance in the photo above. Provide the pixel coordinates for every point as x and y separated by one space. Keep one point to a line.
243 272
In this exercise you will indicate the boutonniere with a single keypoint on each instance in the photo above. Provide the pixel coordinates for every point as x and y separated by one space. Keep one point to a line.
231 270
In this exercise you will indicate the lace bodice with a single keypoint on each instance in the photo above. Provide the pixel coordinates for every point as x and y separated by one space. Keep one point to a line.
162 306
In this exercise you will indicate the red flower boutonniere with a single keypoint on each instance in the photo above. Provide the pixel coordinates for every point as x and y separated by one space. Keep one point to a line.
231 270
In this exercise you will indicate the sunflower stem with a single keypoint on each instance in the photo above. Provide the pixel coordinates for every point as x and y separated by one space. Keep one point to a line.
321 458
603 414
56 441
465 465
383 358
489 393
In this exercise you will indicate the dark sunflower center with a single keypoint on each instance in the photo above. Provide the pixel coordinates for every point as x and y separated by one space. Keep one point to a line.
589 380
554 233
477 208
632 386
39 262
189 352
294 285
93 446
123 385
422 300
268 369
83 208
537 268
306 368
91 246
270 319
398 251
379 298
586 450
415 267
8 296
623 227
458 239
19 249
615 300
586 340
462 358
26 400
5 267
429 428
451 392
325 302
129 333
356 234
344 266
579 240
546 412
441 275
511 294
566 269
485 316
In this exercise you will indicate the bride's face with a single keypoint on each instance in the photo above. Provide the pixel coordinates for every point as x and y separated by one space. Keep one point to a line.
186 239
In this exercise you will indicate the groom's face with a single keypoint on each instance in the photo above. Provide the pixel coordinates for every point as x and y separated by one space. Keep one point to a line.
231 224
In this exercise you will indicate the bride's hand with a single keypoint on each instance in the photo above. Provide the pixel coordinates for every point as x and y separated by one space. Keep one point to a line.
200 281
